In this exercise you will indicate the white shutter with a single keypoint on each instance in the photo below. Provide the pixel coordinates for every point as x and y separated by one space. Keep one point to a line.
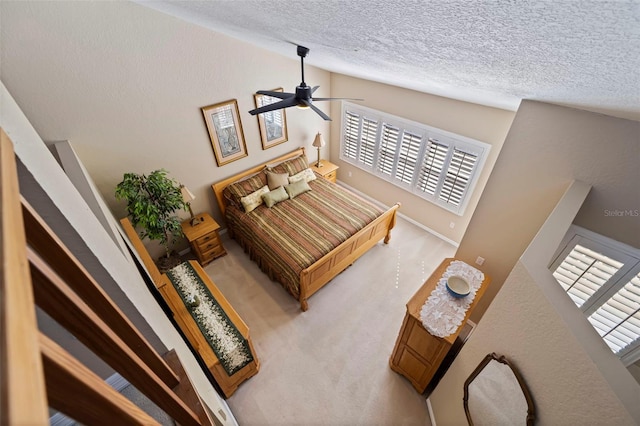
458 177
602 277
432 166
388 148
618 319
440 169
408 158
368 136
583 272
350 135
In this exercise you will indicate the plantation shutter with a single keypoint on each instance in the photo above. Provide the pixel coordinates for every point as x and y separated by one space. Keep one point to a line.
436 165
388 148
432 166
458 177
408 158
618 319
350 132
368 141
603 280
583 272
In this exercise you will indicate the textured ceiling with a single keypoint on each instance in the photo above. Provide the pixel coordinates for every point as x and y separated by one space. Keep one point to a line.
584 54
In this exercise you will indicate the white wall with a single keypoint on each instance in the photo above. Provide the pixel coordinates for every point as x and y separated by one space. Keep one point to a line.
87 239
547 147
486 124
125 84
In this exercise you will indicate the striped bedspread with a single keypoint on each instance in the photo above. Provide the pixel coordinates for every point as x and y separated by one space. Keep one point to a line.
293 234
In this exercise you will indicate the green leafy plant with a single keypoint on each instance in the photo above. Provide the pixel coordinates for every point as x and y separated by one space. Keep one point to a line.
151 203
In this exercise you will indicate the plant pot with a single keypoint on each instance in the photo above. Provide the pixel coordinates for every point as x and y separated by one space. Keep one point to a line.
165 263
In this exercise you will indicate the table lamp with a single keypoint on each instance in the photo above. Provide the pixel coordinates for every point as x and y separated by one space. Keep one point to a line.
188 197
319 142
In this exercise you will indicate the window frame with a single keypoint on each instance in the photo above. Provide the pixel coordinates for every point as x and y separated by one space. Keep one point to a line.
350 152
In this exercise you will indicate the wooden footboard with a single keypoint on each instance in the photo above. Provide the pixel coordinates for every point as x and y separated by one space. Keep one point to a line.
337 260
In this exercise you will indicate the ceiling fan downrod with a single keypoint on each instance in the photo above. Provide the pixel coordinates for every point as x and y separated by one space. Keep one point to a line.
302 52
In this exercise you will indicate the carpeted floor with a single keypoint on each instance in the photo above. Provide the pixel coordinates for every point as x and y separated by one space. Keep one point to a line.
330 365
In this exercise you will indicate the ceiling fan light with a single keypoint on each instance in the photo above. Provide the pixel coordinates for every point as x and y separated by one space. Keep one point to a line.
303 106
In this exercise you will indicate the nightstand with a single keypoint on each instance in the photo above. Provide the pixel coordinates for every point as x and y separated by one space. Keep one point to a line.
327 170
204 238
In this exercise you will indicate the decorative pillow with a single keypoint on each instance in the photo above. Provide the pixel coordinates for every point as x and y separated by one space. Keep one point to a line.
253 200
292 166
234 192
272 198
297 188
307 175
277 179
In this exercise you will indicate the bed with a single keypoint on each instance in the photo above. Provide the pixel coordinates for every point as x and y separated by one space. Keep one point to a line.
301 241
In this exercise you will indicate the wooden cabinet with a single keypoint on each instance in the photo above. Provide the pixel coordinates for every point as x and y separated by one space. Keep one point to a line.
204 238
327 170
418 354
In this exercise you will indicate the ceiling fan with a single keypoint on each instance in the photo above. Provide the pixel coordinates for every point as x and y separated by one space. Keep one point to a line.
301 98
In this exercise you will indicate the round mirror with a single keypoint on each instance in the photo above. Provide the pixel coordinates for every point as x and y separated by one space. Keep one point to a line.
495 394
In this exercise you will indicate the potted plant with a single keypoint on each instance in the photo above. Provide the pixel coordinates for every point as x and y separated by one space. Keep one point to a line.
151 203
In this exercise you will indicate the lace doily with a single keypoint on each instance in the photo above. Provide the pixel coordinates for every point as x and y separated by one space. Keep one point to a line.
442 313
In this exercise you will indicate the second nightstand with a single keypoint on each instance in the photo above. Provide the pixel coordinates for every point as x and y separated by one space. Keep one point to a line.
204 238
327 170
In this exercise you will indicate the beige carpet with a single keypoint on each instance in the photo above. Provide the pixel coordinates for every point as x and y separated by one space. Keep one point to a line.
330 365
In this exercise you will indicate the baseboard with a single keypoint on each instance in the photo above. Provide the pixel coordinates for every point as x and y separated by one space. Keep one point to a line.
432 417
116 381
408 219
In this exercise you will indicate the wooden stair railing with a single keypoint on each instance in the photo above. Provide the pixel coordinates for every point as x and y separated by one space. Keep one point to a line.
23 399
37 269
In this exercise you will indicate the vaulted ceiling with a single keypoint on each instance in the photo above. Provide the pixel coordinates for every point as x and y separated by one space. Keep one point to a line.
584 54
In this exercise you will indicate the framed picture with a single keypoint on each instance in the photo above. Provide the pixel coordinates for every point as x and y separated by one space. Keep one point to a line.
273 124
225 131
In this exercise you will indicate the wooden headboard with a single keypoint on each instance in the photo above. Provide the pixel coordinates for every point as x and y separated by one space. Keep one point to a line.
218 187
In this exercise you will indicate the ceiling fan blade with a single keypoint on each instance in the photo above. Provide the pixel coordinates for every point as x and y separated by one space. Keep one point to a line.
281 95
314 89
289 102
336 99
316 109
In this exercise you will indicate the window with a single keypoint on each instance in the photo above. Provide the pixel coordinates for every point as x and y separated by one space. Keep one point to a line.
434 164
602 277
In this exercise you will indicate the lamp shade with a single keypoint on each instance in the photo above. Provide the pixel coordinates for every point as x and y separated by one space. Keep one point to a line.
319 142
187 195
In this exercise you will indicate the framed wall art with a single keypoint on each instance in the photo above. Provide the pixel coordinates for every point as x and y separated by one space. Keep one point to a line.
273 124
225 131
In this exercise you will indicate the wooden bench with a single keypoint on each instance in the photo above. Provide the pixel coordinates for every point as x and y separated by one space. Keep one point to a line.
187 324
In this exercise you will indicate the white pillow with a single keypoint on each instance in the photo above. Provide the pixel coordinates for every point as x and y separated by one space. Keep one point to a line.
253 200
307 175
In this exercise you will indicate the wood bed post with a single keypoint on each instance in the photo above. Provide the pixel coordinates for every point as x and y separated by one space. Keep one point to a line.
392 223
304 281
